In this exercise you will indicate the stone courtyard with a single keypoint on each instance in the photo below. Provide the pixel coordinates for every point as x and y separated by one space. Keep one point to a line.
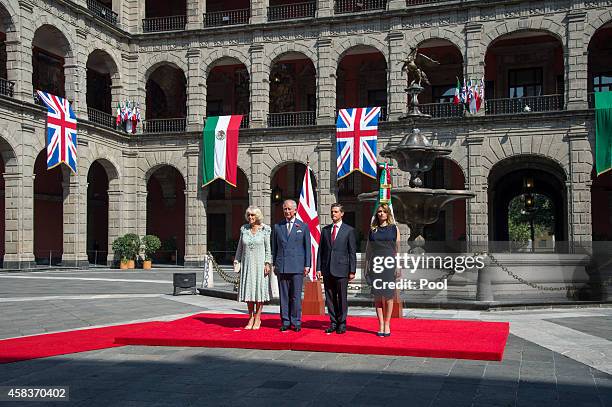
554 356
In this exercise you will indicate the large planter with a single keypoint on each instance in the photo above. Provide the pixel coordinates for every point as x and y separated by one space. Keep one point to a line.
123 265
131 264
146 265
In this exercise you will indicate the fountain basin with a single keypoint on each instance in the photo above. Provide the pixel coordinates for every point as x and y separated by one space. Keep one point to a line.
419 206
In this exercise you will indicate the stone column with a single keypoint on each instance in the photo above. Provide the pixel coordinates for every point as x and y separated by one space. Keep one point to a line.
326 180
325 8
129 14
195 216
195 14
135 193
141 210
76 75
576 62
473 60
19 52
196 104
477 207
396 80
259 11
259 183
260 87
19 224
579 187
75 221
134 85
115 217
326 83
140 15
116 93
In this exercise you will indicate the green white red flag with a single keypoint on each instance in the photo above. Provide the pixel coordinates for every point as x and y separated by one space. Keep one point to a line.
220 149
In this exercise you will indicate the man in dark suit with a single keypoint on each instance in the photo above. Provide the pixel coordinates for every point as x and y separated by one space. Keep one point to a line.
337 262
291 258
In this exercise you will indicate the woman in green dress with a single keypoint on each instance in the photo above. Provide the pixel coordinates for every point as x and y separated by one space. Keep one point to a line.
254 258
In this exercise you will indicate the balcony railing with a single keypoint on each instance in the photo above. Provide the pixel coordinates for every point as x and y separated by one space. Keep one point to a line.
442 110
165 125
424 2
356 6
157 24
547 103
292 11
102 11
6 87
101 118
37 100
292 119
228 17
244 124
383 114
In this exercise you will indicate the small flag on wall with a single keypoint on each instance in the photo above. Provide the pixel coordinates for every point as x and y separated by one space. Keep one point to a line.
220 149
61 132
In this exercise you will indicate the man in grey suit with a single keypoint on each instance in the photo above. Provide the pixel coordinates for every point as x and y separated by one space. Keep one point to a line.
291 258
337 262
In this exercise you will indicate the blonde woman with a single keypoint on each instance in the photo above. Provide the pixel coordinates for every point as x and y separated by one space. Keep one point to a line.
383 240
254 256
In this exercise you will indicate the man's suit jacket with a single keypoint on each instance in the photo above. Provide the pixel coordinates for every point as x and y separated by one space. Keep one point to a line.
340 258
291 252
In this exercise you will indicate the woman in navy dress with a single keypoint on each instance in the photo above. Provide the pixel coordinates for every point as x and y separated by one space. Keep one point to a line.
383 240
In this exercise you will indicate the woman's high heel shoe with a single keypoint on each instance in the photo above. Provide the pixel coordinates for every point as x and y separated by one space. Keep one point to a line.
257 324
250 324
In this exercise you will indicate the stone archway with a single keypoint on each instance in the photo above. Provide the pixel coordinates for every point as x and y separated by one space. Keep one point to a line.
517 176
166 213
48 212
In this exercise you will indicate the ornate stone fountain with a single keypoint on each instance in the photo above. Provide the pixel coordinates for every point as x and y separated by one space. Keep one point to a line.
414 205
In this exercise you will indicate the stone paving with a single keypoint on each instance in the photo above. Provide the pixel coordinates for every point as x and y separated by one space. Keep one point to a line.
535 371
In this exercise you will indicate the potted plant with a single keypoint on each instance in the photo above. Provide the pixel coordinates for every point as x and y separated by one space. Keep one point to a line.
121 250
151 244
133 246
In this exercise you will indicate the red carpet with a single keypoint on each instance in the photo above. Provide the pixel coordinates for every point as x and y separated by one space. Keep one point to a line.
42 346
410 337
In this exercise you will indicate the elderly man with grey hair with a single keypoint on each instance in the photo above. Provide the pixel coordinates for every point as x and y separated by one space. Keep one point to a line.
291 260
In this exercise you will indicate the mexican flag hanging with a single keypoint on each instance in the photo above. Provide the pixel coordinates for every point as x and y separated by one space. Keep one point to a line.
220 149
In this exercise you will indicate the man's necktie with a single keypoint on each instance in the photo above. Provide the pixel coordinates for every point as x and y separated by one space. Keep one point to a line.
334 234
289 226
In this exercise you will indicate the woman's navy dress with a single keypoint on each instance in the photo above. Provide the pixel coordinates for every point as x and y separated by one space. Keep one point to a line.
382 242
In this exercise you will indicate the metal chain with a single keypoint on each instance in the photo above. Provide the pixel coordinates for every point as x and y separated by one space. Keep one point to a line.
224 275
570 288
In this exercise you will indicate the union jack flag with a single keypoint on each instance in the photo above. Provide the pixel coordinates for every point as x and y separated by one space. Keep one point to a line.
356 131
307 213
61 132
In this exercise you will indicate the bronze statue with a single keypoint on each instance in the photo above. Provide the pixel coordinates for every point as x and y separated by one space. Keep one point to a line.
415 74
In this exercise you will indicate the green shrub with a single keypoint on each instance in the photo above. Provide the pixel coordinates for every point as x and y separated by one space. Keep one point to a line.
151 244
121 248
133 245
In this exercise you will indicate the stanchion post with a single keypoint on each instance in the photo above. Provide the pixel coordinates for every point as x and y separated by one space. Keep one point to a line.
313 299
